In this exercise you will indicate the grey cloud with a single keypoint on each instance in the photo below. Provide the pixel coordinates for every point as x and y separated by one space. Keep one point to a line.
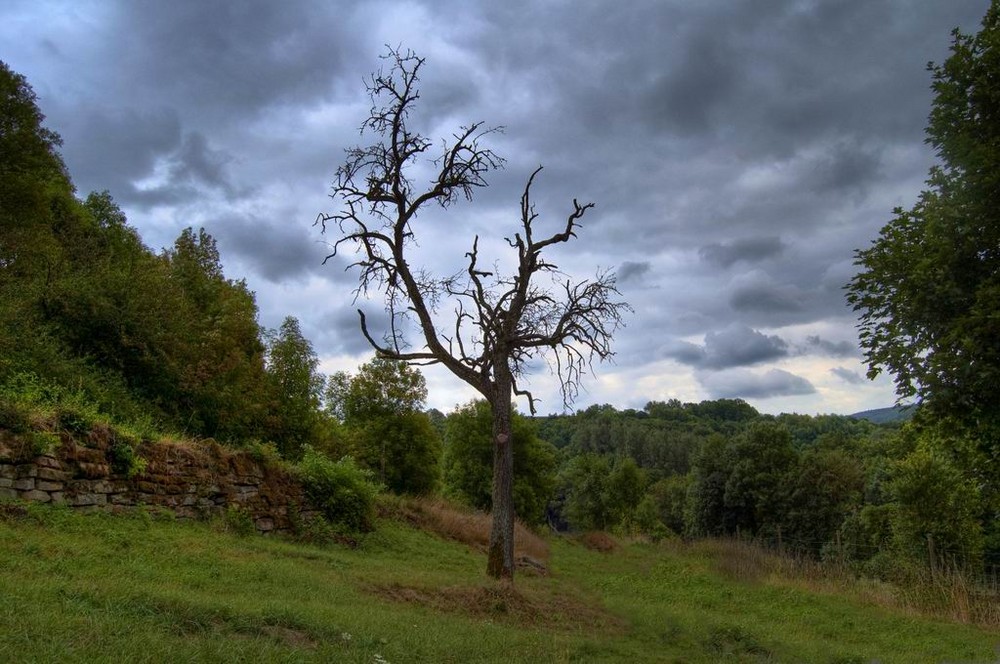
629 271
277 250
196 162
340 331
750 250
735 346
845 167
831 348
746 384
246 55
768 137
767 299
852 377
121 146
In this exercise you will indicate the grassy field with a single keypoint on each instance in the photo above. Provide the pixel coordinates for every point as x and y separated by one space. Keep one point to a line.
136 588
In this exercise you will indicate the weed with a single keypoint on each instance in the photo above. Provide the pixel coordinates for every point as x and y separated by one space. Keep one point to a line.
13 416
263 453
124 459
239 521
43 443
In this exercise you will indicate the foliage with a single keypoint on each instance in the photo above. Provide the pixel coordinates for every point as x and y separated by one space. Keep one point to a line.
468 462
385 429
239 521
298 388
124 458
929 286
936 502
598 494
87 308
344 492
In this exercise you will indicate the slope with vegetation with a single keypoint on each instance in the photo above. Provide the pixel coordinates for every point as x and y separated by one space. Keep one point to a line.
89 587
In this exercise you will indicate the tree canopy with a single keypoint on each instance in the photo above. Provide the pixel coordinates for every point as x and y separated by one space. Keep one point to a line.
929 286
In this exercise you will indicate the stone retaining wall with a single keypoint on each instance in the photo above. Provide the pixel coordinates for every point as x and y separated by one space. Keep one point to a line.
193 480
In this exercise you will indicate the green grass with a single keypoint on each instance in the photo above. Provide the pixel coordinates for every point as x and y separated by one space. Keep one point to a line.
102 588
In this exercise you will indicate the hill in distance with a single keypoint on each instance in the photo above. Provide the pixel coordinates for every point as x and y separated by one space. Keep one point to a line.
885 415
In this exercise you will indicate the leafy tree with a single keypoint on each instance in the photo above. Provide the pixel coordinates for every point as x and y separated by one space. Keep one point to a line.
670 496
292 366
824 491
382 411
583 492
935 500
929 286
503 322
706 511
221 377
469 457
598 494
764 463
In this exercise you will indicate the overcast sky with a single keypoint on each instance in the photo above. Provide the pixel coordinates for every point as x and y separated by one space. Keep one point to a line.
738 152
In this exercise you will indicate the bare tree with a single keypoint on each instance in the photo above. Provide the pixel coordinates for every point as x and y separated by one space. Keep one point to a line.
498 323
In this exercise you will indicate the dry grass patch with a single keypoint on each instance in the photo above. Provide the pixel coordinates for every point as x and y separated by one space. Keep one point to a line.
507 604
467 526
600 541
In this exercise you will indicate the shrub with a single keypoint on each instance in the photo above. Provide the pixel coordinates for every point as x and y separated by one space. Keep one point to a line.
73 420
240 521
344 492
123 457
43 443
13 416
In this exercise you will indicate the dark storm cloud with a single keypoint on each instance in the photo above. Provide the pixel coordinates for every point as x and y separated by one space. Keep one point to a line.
735 346
750 250
746 384
738 150
629 271
339 331
121 146
848 376
276 249
196 162
226 57
768 299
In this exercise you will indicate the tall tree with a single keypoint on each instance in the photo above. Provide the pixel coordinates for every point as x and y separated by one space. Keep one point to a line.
468 461
929 287
293 368
502 322
381 408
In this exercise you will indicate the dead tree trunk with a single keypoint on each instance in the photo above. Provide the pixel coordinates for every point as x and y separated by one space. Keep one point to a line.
501 322
500 563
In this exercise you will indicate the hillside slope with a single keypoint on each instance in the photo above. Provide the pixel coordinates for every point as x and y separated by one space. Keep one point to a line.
136 588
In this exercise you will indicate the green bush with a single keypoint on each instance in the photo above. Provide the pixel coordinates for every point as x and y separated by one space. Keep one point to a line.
75 421
240 521
43 443
344 492
13 416
124 460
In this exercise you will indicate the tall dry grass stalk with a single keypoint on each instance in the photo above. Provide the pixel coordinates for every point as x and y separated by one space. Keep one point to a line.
950 593
465 525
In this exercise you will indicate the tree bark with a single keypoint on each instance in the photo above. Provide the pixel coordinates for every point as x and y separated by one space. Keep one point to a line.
500 564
